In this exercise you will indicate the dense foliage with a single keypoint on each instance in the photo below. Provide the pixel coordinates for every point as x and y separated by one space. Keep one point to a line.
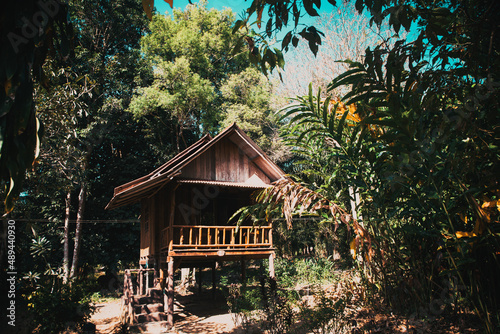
421 149
412 148
87 137
199 84
29 32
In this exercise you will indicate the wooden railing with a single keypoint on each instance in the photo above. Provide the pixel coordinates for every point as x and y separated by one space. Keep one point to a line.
145 279
134 286
217 237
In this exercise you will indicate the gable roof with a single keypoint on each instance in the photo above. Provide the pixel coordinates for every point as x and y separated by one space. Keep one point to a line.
149 184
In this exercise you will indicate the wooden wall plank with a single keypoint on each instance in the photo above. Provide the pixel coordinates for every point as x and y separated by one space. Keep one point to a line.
224 161
153 221
253 169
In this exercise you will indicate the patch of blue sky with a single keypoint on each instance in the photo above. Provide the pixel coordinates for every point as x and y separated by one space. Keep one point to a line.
239 8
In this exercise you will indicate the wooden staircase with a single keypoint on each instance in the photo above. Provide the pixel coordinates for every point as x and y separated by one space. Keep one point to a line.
148 308
142 311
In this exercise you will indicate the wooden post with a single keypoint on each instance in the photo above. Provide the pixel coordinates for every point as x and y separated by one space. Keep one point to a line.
156 275
129 296
271 265
214 267
170 294
199 280
243 271
162 276
200 242
141 282
270 235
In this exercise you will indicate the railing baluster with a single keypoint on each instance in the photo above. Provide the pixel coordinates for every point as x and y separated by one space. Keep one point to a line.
270 232
201 235
209 237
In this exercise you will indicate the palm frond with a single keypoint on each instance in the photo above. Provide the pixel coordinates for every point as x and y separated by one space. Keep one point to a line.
296 199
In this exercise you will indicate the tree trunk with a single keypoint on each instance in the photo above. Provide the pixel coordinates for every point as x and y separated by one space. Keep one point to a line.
66 238
79 215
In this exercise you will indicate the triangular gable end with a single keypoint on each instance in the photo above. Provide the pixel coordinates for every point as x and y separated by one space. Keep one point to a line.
231 156
229 161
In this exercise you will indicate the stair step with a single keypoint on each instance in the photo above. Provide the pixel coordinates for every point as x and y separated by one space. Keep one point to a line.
149 327
156 294
145 317
148 308
145 300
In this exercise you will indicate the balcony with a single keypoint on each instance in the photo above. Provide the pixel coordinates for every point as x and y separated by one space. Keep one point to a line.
216 241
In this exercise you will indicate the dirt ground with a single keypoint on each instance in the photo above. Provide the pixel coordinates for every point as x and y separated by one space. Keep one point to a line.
203 314
107 317
192 314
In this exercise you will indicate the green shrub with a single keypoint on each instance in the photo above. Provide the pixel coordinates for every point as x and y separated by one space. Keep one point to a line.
313 270
286 272
243 303
327 316
276 304
53 309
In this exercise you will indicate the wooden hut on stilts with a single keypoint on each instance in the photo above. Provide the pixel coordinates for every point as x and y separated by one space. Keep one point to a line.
186 205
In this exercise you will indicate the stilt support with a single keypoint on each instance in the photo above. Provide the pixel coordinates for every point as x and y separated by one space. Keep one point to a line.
170 294
243 271
161 279
271 265
200 270
214 267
